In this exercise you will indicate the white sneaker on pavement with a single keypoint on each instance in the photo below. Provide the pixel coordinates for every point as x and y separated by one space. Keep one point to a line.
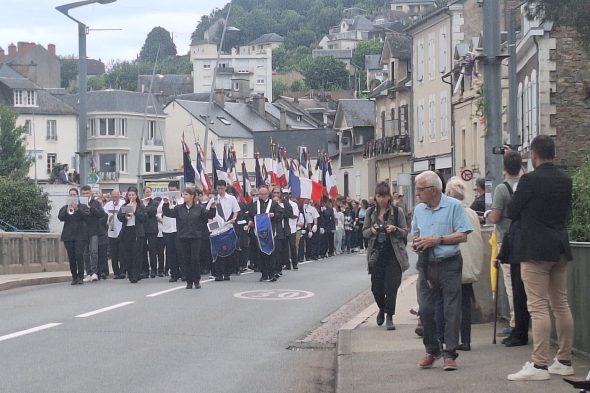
530 373
94 277
560 368
88 278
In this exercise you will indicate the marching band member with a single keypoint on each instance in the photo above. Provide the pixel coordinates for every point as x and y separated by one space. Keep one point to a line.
293 232
132 235
112 208
151 233
224 241
265 214
170 239
93 227
74 236
190 218
282 232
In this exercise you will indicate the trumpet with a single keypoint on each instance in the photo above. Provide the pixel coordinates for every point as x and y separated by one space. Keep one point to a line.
246 228
71 210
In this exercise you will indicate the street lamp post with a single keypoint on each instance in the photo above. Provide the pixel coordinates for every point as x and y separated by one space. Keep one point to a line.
82 109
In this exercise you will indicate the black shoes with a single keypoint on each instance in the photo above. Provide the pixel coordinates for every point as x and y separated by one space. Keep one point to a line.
189 285
380 317
173 279
389 322
226 278
514 342
160 274
464 347
197 285
295 267
74 282
219 278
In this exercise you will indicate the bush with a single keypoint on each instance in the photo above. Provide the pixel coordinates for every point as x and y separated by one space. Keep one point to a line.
23 204
579 229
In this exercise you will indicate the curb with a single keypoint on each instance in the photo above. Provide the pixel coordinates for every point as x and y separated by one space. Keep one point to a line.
33 281
344 368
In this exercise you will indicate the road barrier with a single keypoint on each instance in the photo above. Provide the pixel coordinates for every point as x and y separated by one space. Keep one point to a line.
24 252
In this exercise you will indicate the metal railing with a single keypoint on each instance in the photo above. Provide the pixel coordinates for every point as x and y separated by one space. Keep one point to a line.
387 145
8 227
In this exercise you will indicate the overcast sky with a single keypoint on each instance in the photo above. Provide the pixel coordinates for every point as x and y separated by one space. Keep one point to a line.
38 21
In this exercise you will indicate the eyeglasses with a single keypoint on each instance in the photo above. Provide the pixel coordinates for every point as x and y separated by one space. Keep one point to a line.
420 189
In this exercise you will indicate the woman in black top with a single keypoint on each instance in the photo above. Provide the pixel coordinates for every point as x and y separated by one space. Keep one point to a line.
190 219
132 235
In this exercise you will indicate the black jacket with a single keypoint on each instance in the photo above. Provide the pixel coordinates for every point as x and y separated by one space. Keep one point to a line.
327 219
92 220
283 229
74 224
189 222
140 218
278 212
542 204
151 223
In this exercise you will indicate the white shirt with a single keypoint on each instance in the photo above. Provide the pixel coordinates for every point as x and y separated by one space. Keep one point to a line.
293 221
115 225
311 213
339 216
229 205
168 224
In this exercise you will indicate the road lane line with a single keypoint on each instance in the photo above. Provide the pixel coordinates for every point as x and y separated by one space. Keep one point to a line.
163 292
28 331
91 313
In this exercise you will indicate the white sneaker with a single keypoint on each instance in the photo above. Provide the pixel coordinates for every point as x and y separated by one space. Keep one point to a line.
560 368
88 278
94 277
530 373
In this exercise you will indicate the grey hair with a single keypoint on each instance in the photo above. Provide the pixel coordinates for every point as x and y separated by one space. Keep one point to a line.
455 188
432 179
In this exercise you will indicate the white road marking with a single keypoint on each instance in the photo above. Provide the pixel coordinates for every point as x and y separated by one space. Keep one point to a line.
91 313
163 292
28 331
274 294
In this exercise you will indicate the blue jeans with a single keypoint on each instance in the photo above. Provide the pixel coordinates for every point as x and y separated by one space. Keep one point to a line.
91 255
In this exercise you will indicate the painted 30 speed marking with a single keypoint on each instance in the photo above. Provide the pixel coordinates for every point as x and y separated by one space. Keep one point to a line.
274 294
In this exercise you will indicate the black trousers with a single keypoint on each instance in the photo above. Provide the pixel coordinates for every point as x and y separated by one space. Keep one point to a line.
293 249
440 280
172 260
132 252
103 257
116 264
281 255
150 255
160 245
330 235
386 277
206 261
225 266
521 312
191 249
75 250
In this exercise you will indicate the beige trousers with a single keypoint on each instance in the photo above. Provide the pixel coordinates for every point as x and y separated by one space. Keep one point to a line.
545 285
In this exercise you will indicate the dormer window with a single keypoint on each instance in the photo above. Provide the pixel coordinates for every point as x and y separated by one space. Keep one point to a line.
25 97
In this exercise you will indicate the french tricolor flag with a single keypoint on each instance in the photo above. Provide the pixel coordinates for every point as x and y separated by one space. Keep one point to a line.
305 188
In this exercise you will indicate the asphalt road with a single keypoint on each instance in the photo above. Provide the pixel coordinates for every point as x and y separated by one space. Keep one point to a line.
112 336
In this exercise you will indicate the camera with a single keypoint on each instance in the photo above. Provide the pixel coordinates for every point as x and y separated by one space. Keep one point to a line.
379 227
498 150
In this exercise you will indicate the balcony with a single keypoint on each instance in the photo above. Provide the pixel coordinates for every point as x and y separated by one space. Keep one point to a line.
153 142
389 145
110 176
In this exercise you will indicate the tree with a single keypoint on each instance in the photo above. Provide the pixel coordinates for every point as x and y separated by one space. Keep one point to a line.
298 85
574 13
30 212
278 88
325 72
13 157
158 37
363 48
69 70
300 38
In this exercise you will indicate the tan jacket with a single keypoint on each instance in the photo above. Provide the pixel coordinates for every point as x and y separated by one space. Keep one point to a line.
398 238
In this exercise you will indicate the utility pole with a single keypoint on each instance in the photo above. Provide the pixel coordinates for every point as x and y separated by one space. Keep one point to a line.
492 95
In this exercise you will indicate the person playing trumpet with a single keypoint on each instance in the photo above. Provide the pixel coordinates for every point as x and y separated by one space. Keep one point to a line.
170 239
112 208
74 235
132 236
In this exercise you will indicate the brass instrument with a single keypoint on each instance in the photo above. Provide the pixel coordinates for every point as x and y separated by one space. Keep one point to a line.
71 210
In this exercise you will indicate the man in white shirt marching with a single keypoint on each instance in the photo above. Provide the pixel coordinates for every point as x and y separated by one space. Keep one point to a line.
227 213
111 208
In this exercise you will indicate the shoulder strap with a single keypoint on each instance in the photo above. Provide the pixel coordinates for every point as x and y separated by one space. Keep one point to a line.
509 188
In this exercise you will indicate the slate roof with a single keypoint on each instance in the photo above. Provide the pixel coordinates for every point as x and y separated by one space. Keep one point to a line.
121 101
335 53
359 22
413 1
267 38
358 113
372 62
323 139
248 116
399 46
169 84
47 104
199 111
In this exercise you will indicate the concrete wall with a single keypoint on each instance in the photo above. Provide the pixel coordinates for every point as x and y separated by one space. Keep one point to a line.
31 253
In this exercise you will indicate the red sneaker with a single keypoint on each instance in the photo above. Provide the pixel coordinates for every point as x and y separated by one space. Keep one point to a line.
449 365
428 360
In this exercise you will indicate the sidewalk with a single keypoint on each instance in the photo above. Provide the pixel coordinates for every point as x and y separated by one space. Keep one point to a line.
371 359
10 281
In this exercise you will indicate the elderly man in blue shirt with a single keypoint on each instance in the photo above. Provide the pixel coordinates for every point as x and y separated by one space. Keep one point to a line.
438 226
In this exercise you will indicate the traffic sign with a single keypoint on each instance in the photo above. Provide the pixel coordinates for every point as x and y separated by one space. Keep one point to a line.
92 178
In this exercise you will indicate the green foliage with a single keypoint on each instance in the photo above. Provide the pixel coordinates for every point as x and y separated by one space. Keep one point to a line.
579 228
325 72
370 47
69 70
298 85
574 13
31 212
157 38
278 88
13 157
300 38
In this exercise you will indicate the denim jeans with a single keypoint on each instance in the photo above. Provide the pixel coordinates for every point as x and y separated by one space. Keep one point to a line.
91 255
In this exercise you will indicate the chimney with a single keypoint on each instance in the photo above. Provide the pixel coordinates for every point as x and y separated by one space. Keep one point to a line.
219 98
2 55
21 47
51 49
258 102
11 50
283 120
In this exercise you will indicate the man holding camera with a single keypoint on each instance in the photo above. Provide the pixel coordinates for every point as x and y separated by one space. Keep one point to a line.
439 225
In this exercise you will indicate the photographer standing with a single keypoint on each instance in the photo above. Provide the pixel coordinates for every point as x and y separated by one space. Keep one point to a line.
385 229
